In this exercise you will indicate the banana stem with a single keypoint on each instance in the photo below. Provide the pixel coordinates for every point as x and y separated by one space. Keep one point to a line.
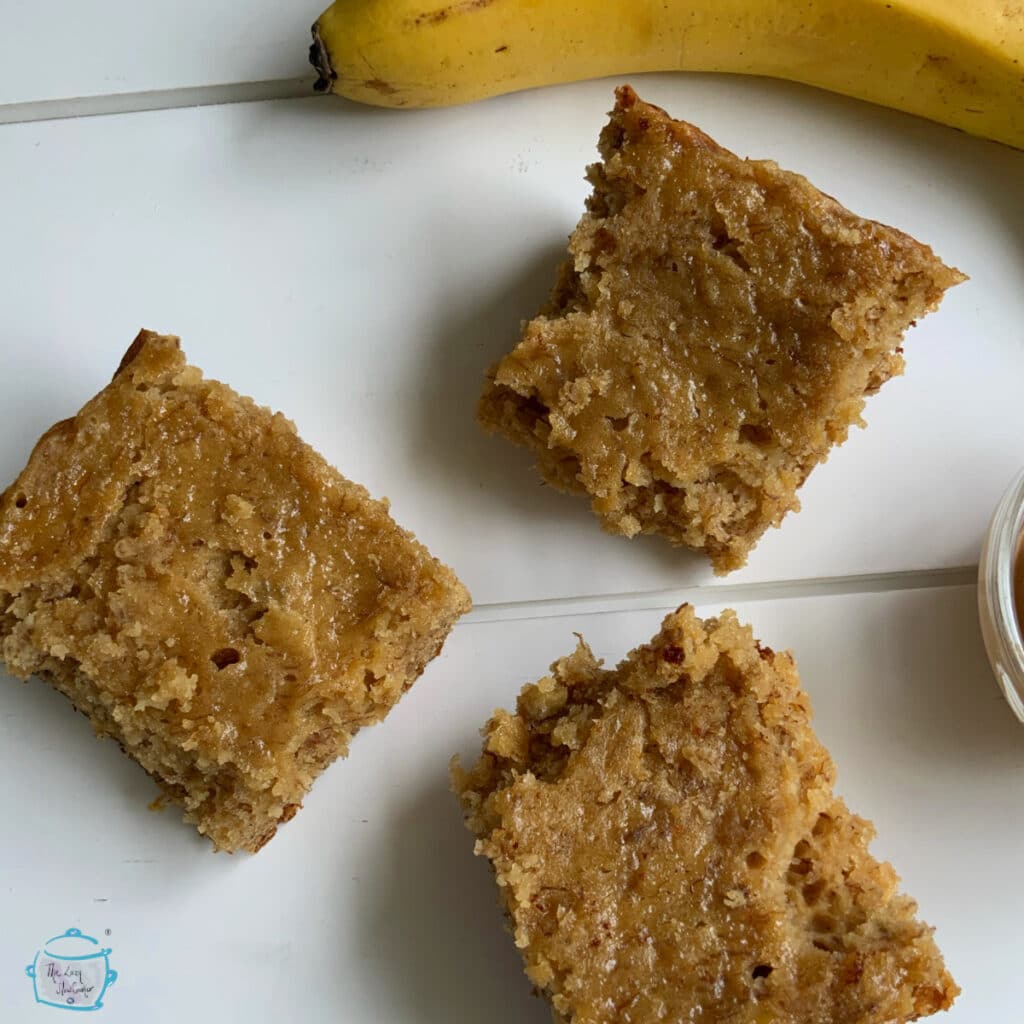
321 60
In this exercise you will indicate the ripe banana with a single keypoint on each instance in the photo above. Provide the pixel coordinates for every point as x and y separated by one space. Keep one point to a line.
960 62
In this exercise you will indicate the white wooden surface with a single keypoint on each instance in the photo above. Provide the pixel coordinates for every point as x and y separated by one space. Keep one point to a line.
359 269
66 50
370 907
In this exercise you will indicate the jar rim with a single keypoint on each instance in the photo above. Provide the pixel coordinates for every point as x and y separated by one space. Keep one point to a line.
996 579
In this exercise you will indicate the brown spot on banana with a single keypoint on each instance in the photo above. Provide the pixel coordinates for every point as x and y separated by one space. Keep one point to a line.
436 17
379 85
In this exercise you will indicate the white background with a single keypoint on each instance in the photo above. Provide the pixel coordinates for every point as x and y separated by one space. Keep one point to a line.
359 269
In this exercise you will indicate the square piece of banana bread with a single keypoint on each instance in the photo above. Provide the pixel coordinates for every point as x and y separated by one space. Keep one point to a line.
713 334
668 847
211 593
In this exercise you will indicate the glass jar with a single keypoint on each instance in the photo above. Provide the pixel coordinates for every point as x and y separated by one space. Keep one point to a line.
997 607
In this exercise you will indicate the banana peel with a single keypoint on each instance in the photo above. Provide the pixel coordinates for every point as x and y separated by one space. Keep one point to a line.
958 62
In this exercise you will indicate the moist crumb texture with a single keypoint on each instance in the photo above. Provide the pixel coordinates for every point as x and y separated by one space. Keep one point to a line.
712 335
667 846
211 593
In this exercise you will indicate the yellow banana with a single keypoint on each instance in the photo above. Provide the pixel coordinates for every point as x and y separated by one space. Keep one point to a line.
960 62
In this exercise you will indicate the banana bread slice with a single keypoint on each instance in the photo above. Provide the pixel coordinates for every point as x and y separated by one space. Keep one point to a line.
668 847
211 593
713 334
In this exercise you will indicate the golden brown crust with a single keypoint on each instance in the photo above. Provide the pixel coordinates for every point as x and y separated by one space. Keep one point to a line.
210 592
713 334
668 847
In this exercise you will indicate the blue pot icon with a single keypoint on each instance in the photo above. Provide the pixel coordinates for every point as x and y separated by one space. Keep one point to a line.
72 972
